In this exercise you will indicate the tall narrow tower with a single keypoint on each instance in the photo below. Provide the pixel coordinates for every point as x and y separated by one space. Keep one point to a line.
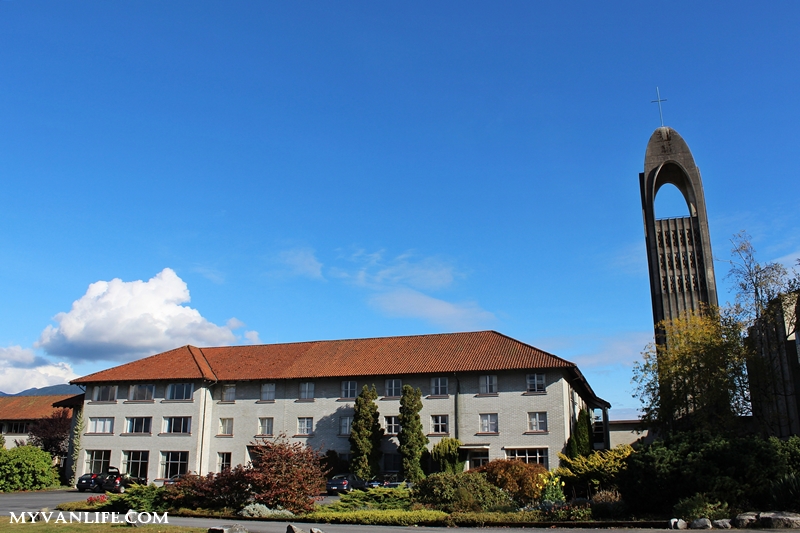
678 249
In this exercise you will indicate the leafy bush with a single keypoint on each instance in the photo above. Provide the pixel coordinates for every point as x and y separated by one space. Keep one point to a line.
565 512
380 517
146 498
584 475
26 468
467 491
785 492
553 489
228 489
608 504
378 498
698 506
258 510
523 481
445 455
735 470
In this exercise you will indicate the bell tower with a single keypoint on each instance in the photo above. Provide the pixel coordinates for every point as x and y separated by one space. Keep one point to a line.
678 249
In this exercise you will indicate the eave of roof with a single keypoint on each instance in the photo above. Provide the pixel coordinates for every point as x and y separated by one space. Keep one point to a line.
29 407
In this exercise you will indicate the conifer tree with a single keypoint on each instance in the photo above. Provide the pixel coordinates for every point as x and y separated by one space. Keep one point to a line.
365 435
412 439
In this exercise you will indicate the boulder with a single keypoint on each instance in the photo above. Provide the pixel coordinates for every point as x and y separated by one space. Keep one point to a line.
293 529
723 523
745 520
316 530
700 523
779 520
677 523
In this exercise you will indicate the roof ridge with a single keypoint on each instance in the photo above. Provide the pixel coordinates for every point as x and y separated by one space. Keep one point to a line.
531 346
204 367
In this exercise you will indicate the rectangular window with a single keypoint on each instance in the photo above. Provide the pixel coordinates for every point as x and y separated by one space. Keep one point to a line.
105 393
536 383
139 424
394 388
223 461
478 458
307 390
305 426
529 455
439 424
174 463
180 391
178 424
265 426
140 393
488 423
537 421
101 425
229 393
345 425
349 389
267 392
487 385
97 461
439 386
136 463
392 425
17 428
226 426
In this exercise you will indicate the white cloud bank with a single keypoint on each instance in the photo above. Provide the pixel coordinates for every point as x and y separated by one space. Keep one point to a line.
125 320
21 369
413 304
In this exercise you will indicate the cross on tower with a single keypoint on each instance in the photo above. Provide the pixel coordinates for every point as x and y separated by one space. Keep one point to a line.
660 114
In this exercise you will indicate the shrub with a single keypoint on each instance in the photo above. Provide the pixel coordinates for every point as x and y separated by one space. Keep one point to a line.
467 491
565 512
227 489
553 489
608 504
785 493
584 475
380 517
285 474
26 468
147 498
445 455
522 481
698 506
378 498
258 510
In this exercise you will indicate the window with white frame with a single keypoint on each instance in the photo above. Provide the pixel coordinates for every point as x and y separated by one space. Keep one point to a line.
103 424
105 393
392 424
307 390
226 426
136 462
537 421
267 392
177 424
229 392
141 392
439 386
305 425
265 425
345 425
394 388
487 385
138 424
223 461
349 389
536 383
488 422
97 461
180 391
174 463
439 424
529 455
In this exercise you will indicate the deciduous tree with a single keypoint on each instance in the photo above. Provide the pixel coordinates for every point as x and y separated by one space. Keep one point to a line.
51 433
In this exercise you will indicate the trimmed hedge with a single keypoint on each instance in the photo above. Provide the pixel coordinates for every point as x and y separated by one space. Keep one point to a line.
378 517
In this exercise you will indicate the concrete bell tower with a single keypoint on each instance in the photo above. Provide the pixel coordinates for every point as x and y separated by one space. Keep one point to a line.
678 249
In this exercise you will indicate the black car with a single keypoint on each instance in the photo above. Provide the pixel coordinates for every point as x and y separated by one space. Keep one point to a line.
344 483
120 482
87 482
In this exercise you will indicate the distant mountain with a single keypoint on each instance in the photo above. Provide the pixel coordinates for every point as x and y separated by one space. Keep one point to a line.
47 391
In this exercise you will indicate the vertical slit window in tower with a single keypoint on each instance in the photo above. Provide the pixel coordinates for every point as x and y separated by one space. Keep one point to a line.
664 283
663 262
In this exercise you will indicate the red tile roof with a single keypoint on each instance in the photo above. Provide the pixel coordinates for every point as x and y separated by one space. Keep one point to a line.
416 354
29 407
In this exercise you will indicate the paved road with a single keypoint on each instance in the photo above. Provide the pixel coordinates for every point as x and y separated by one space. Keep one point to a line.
35 501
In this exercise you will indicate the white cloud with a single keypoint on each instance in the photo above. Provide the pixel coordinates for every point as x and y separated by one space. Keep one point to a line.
122 321
252 337
414 304
21 368
302 262
376 272
790 260
210 274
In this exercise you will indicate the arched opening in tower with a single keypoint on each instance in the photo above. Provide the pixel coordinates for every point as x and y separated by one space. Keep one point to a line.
670 203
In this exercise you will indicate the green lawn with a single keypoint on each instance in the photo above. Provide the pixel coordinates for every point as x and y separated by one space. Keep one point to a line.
7 526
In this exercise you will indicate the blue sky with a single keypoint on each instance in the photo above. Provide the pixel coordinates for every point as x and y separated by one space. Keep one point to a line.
235 172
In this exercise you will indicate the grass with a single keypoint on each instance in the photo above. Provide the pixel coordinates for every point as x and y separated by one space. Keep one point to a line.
7 526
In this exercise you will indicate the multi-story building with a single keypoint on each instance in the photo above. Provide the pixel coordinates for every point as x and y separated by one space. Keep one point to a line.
199 409
18 413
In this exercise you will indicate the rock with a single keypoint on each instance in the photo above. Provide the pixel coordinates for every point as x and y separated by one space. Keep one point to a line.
677 523
779 520
293 529
316 530
723 523
700 523
745 520
235 528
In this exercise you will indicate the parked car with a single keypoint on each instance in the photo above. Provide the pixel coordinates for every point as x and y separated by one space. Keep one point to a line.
87 482
119 483
344 483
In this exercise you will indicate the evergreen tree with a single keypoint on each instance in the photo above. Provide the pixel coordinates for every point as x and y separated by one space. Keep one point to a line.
412 439
580 442
365 435
445 455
